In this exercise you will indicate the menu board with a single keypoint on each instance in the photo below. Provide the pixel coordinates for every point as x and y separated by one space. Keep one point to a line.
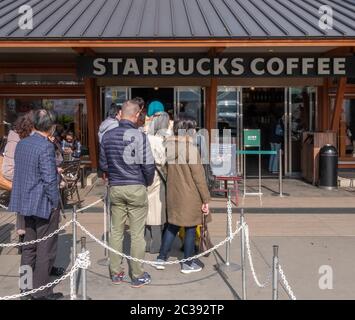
223 159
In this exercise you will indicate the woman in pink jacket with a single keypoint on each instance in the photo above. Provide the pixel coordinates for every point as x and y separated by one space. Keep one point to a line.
22 129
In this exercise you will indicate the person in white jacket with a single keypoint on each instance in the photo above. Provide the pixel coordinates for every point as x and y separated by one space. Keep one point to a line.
157 132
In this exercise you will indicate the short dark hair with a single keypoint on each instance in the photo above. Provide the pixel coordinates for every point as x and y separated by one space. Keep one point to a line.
139 101
184 123
114 109
43 120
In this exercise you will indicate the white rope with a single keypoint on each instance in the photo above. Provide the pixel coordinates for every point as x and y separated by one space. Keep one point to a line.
20 244
82 262
90 205
156 262
287 286
2 206
251 264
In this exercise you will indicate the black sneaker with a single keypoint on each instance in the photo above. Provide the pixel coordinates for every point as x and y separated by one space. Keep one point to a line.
142 281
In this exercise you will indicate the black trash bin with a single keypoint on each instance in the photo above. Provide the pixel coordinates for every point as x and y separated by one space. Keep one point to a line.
328 167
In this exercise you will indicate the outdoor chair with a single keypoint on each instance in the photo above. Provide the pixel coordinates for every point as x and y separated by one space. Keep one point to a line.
70 178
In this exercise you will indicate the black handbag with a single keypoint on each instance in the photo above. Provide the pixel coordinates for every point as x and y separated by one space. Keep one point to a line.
205 239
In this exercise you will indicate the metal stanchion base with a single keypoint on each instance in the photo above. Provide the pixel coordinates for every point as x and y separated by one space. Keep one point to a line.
231 267
277 194
105 262
78 297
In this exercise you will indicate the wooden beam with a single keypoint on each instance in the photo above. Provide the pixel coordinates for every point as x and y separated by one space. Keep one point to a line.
84 51
43 90
338 104
340 51
215 51
191 43
37 68
92 130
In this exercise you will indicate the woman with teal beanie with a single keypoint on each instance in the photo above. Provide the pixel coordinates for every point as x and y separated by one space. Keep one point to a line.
154 107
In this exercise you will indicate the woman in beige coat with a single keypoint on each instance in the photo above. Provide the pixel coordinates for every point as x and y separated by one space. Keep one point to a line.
156 218
187 194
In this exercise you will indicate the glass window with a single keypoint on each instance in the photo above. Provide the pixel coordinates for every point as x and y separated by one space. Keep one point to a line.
116 95
189 103
227 100
72 114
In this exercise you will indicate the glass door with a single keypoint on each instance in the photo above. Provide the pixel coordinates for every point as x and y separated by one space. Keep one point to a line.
299 117
229 116
188 102
116 95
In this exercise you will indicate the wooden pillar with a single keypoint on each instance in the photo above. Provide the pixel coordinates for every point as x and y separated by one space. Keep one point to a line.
323 106
338 107
342 139
92 121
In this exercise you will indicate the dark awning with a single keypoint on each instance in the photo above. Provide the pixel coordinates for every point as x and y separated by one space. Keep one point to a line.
179 19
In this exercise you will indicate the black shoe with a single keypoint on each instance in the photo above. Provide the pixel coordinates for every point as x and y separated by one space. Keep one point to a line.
53 296
28 297
57 271
21 238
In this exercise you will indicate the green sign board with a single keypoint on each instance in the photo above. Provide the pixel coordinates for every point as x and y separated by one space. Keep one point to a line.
251 137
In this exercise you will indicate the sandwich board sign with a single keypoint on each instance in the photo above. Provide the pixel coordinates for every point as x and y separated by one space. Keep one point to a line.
251 137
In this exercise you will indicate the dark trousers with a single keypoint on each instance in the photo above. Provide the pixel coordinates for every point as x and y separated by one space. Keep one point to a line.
41 256
169 237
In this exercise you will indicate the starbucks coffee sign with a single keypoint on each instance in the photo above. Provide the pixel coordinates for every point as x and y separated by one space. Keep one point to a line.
223 66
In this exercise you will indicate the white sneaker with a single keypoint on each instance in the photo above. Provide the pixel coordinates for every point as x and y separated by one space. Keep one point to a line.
186 269
159 266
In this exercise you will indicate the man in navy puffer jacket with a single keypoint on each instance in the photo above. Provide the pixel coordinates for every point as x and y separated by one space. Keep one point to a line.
127 161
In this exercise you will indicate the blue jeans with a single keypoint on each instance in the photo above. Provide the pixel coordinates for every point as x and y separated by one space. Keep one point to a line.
169 237
274 158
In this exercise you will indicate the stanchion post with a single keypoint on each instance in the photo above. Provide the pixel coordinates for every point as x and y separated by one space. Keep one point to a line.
275 273
242 258
74 241
228 244
83 271
280 173
105 219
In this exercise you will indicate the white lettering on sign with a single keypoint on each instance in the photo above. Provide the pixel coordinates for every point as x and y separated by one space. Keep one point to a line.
339 66
150 66
219 66
168 66
226 66
131 66
190 67
323 66
279 66
307 63
291 64
237 66
200 69
99 67
114 62
253 66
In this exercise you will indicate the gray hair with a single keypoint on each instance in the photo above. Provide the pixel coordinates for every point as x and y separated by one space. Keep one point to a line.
130 108
160 122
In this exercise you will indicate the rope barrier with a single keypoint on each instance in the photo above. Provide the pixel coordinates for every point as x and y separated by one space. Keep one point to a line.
154 263
20 244
82 262
90 205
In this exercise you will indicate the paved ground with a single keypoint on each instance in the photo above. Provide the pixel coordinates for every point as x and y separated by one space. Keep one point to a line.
307 241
